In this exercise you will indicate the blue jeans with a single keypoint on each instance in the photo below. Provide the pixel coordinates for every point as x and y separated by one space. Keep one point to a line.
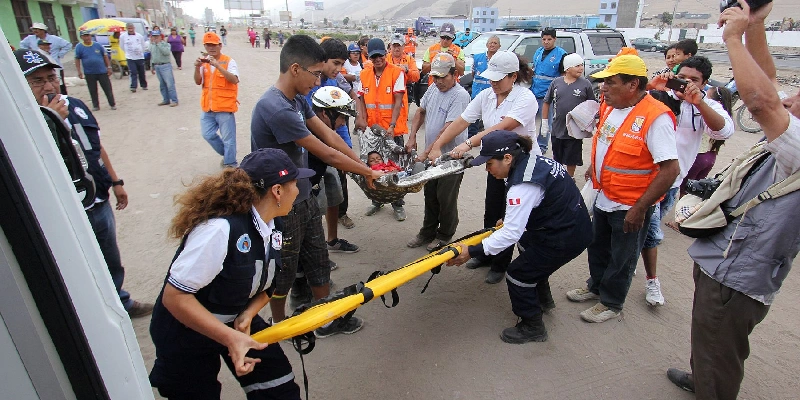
543 140
136 70
224 40
613 255
225 122
167 82
654 232
101 217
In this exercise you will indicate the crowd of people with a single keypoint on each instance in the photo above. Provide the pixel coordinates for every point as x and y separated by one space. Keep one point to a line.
253 234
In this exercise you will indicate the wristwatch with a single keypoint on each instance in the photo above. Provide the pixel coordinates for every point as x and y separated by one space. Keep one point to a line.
468 142
392 125
118 183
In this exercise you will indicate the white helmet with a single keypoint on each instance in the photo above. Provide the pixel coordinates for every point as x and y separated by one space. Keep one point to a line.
335 99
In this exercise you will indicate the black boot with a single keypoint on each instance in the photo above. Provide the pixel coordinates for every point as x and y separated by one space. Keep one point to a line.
545 297
526 330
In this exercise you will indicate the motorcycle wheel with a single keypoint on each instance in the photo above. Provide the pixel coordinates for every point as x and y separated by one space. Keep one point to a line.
745 120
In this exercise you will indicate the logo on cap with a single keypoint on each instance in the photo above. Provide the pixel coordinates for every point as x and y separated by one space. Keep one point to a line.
283 173
33 58
336 95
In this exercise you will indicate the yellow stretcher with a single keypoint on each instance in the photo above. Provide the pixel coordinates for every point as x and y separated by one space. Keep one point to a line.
321 314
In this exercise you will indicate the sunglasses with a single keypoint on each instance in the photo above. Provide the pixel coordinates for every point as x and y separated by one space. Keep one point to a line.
445 37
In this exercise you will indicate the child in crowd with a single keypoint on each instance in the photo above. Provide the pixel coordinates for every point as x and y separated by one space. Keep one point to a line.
375 161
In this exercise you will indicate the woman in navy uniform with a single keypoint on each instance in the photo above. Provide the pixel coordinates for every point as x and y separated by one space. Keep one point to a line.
545 215
222 275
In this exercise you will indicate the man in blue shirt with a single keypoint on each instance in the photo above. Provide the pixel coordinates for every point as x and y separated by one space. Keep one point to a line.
96 69
464 38
58 46
546 62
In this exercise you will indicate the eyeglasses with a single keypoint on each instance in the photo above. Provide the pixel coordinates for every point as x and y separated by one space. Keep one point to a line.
40 82
317 74
445 37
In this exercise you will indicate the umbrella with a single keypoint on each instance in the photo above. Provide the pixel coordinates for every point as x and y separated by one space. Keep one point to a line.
102 26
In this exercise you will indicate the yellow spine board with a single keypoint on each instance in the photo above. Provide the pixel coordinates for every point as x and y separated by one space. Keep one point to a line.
319 315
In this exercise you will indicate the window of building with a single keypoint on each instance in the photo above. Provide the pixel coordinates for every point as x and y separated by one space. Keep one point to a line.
484 13
603 6
608 18
491 21
613 5
476 20
492 13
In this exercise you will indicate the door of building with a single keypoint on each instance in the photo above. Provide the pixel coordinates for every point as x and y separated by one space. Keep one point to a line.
73 35
23 17
49 18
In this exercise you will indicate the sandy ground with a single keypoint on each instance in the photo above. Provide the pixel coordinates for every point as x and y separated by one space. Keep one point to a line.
443 344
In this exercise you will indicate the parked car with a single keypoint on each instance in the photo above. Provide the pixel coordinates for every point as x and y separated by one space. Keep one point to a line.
596 46
648 44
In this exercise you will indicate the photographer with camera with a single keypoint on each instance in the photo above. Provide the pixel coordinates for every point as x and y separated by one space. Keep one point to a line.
739 270
696 114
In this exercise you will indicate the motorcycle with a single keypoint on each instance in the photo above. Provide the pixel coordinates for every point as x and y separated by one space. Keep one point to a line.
742 116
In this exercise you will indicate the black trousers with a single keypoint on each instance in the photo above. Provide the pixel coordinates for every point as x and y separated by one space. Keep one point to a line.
105 83
177 55
344 203
495 209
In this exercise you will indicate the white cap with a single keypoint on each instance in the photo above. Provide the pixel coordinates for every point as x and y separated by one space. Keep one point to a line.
39 25
501 64
572 60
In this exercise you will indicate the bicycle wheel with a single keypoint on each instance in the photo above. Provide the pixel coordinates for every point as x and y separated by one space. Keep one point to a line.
745 120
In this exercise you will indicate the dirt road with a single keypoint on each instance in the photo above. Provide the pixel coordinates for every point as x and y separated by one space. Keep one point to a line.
443 344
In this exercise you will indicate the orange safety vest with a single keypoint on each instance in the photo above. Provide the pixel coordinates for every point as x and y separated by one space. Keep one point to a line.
379 98
218 94
434 50
410 47
628 168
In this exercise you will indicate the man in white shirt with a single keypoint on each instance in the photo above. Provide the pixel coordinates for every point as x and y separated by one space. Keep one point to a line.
697 115
634 162
134 45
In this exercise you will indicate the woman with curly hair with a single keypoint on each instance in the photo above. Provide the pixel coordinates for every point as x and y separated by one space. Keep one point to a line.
222 275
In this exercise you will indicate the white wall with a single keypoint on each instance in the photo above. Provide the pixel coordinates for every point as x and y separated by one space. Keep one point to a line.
713 35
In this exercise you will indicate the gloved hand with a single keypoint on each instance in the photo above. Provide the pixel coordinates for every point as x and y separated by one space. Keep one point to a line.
545 127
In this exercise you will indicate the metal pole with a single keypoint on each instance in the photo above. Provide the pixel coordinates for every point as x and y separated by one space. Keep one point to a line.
289 19
639 11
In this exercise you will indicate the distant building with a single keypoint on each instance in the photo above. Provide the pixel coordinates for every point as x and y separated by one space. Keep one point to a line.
485 19
458 21
618 13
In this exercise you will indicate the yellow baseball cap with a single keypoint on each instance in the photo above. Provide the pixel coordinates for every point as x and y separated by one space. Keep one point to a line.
625 64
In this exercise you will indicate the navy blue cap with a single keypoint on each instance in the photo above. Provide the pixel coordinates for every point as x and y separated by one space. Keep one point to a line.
353 48
496 143
376 46
268 167
32 59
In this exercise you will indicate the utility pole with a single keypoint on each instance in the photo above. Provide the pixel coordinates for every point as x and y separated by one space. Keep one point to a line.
639 12
288 20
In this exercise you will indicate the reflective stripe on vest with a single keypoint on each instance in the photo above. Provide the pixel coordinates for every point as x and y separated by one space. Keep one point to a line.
628 171
380 106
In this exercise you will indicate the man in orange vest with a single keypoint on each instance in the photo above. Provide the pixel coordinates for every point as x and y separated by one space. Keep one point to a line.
446 35
410 45
218 75
408 65
382 92
634 163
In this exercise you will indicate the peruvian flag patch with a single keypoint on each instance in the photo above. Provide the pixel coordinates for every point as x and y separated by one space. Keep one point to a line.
283 173
514 202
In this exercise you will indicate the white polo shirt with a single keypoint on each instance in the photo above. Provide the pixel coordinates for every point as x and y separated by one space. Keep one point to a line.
520 105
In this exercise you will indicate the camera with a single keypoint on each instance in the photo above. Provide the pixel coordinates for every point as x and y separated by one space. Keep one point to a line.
676 84
702 188
754 4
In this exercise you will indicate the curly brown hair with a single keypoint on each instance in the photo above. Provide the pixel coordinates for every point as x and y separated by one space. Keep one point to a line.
227 193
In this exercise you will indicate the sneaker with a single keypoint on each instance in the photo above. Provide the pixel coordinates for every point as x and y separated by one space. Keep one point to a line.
417 241
493 277
113 107
372 209
653 294
579 295
475 263
339 325
681 379
174 104
333 265
399 214
95 108
599 313
342 246
436 244
133 90
163 103
346 222
139 309
144 88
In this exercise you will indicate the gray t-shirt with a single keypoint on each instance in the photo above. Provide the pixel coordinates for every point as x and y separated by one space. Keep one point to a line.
441 108
563 98
276 123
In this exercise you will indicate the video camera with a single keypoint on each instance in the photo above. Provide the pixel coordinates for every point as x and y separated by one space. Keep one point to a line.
754 4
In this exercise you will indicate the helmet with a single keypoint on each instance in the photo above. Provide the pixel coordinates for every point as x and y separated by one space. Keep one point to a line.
353 48
334 99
